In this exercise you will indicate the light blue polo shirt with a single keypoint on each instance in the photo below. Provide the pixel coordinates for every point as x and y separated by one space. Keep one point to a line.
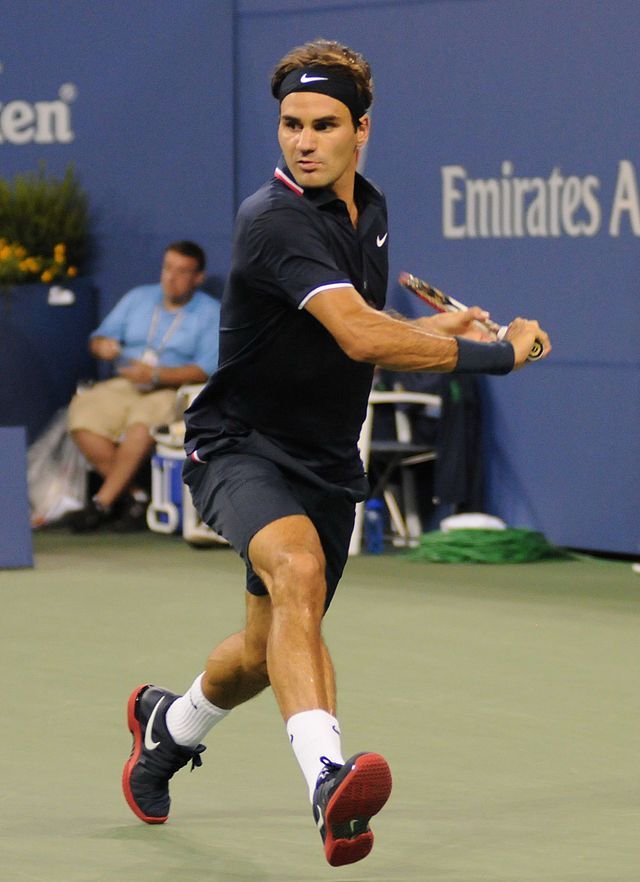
194 339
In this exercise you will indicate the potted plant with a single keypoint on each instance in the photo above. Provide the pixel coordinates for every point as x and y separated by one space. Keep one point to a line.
44 228
48 303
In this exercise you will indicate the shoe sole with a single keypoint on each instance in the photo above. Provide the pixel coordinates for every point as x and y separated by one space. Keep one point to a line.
136 730
359 796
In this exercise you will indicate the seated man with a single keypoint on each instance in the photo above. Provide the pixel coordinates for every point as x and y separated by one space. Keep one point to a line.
159 337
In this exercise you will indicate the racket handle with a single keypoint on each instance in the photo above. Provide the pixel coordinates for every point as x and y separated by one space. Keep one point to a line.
537 350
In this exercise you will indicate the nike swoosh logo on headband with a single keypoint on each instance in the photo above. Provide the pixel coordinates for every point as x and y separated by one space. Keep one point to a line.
305 78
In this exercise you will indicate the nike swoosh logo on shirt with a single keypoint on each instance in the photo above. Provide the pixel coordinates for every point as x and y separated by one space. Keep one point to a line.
149 743
380 240
305 78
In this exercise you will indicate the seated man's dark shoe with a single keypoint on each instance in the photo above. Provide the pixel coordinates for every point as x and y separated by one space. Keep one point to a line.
90 518
132 515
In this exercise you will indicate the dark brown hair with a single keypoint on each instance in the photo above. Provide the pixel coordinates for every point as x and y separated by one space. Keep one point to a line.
189 249
327 53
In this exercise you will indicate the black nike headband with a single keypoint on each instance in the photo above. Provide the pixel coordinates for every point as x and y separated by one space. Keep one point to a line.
326 81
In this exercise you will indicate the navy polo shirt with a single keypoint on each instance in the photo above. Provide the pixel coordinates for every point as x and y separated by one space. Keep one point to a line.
280 371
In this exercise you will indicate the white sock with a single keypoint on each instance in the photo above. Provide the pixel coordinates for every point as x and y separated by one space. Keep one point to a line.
192 715
314 735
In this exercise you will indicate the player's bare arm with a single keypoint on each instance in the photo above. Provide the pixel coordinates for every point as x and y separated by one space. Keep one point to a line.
365 334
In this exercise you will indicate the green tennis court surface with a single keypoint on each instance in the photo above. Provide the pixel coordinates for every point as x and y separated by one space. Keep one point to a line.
504 697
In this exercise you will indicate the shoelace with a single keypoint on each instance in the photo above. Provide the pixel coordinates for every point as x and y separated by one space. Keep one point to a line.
196 762
329 769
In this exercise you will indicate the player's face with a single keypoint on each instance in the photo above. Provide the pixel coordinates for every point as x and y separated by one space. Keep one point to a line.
180 275
319 143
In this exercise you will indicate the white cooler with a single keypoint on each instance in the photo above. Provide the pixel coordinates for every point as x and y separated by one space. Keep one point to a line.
171 509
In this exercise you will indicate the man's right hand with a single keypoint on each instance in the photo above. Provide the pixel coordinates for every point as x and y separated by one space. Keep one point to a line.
522 334
105 348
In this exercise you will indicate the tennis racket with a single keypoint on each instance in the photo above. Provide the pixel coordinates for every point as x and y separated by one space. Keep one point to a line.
444 303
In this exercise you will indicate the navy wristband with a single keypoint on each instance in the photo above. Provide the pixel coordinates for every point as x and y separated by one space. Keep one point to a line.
484 358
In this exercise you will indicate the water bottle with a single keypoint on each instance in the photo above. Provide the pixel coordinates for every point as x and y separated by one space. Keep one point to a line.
373 526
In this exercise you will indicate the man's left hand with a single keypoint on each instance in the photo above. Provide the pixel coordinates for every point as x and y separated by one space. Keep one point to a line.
458 324
137 372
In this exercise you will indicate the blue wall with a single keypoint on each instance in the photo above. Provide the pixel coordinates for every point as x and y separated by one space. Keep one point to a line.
148 90
173 124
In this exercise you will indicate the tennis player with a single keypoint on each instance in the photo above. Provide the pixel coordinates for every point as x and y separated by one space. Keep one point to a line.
271 441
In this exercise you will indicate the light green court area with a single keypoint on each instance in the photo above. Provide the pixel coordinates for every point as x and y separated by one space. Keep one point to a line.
505 699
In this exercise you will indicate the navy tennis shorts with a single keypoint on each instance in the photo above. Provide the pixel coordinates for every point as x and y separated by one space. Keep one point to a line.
238 493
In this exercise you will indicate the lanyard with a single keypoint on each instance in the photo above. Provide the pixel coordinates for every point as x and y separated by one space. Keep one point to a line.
168 333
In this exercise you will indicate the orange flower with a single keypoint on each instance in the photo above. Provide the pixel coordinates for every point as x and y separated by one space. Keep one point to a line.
72 271
46 276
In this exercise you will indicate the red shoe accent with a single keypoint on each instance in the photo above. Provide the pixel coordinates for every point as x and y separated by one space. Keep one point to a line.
359 796
136 731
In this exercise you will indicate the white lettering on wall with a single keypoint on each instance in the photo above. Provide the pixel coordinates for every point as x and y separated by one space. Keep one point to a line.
43 122
513 206
625 200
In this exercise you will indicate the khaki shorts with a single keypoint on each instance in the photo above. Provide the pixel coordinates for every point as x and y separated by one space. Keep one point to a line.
108 408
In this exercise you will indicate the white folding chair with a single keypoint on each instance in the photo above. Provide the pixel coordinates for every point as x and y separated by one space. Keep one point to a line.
397 454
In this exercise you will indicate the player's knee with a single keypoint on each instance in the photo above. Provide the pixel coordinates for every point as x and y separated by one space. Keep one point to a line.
298 568
298 580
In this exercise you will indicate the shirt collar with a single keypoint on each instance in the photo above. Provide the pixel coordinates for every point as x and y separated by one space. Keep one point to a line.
365 191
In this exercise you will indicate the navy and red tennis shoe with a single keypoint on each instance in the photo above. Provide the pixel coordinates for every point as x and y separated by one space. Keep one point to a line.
155 757
345 799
